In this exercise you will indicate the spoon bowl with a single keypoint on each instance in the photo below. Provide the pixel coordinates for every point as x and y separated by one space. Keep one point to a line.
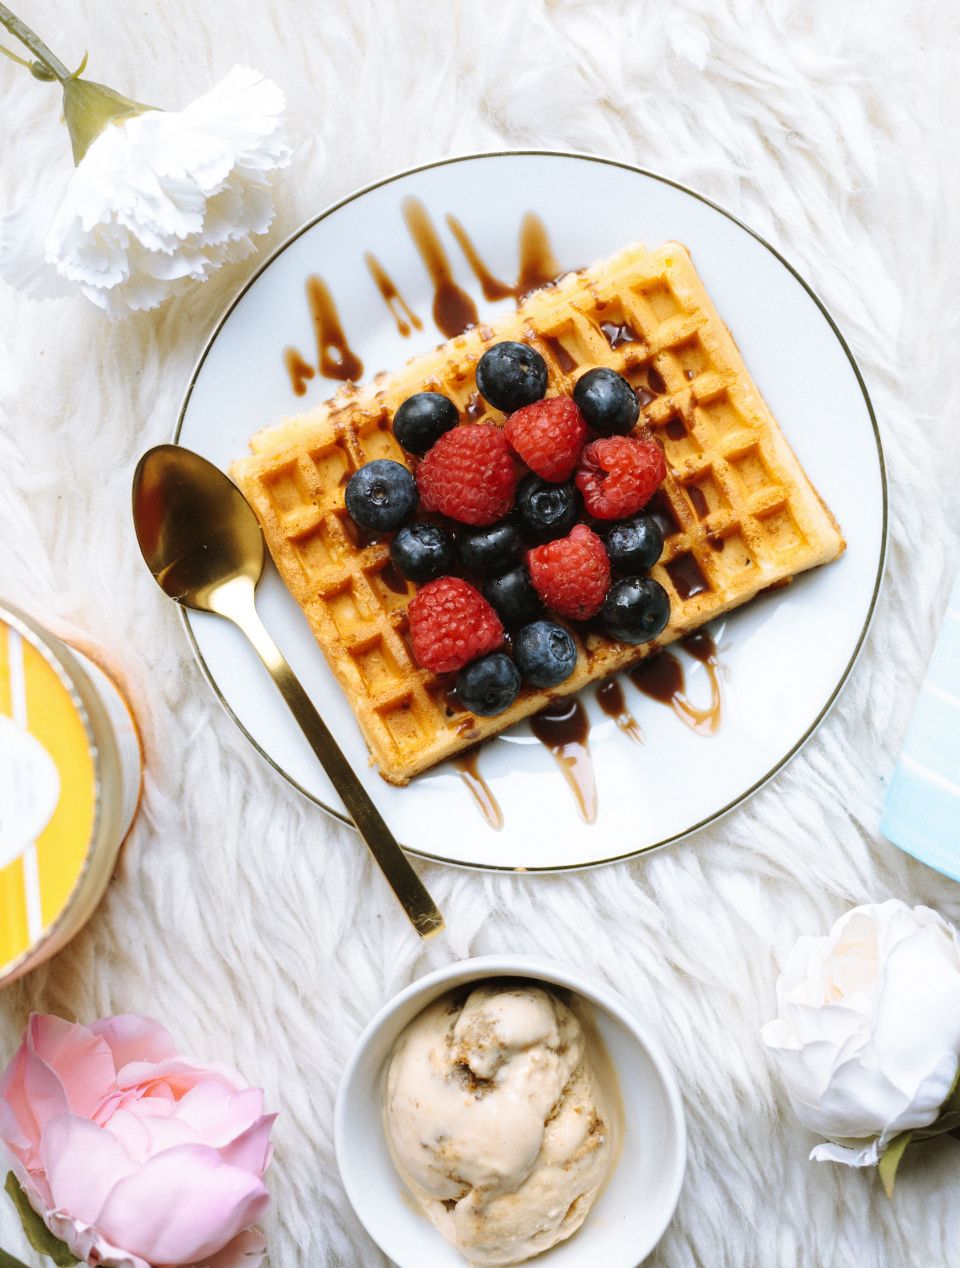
195 528
203 544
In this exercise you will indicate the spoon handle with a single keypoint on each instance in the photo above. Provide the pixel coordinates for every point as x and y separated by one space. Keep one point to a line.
383 845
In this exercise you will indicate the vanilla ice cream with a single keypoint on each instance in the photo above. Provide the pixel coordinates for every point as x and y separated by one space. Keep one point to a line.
497 1120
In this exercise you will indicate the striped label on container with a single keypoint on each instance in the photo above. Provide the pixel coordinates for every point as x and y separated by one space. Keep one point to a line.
47 795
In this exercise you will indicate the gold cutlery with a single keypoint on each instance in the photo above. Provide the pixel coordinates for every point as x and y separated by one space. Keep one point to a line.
203 544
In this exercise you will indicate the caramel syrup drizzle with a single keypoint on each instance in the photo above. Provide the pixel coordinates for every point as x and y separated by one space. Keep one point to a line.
399 309
453 309
468 768
662 679
563 727
335 358
538 265
611 700
298 370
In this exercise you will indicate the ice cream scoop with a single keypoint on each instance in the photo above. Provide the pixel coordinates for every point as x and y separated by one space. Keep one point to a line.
497 1120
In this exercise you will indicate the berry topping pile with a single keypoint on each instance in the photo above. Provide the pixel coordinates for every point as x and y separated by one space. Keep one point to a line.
504 548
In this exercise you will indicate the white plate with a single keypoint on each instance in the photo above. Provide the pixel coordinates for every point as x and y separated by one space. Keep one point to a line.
784 657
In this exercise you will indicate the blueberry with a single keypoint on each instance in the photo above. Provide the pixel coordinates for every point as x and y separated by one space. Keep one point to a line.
547 510
488 685
545 653
636 609
634 545
513 596
490 549
422 552
511 375
607 401
381 495
422 419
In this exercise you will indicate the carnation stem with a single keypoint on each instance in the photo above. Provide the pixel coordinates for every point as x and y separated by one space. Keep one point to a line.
40 51
8 1261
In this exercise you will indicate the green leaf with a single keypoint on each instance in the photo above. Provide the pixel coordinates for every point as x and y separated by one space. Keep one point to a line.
890 1161
38 1235
8 1261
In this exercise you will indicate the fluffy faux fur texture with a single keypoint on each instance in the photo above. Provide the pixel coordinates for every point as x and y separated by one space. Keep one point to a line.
243 918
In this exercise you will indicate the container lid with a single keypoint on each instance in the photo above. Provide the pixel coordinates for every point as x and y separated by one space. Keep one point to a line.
48 789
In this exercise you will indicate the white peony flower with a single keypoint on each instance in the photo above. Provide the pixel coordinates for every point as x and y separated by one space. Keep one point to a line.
867 1035
158 198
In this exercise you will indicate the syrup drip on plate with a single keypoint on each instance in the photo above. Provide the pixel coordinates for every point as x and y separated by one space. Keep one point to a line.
563 727
661 677
469 771
453 309
538 266
611 700
298 369
400 310
335 357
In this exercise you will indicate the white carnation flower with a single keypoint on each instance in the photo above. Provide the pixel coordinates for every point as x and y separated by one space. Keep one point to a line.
157 200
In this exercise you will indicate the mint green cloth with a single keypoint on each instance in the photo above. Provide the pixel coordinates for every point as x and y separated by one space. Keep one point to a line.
922 810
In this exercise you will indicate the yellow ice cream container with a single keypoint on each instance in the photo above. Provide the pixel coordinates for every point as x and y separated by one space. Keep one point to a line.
70 777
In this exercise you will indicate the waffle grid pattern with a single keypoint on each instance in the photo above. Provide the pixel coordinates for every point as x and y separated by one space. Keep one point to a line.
739 514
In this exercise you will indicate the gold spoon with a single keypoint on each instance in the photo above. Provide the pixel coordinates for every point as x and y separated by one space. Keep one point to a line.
202 542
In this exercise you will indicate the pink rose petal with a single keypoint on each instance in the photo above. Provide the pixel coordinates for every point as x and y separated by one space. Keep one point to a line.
18 1127
178 1074
133 1038
251 1151
79 1062
182 1205
219 1115
83 1163
147 1135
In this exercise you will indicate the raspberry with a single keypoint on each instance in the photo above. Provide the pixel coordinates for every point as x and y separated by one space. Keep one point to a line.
469 474
572 574
451 623
548 436
618 475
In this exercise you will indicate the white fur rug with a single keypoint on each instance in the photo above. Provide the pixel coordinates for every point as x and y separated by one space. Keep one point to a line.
243 918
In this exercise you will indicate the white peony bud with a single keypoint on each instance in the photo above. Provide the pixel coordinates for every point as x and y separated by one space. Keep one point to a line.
158 199
867 1035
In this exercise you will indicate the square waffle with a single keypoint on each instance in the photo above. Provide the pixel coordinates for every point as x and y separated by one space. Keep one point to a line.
738 512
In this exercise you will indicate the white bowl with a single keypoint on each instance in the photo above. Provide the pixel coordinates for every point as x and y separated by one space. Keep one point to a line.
638 1201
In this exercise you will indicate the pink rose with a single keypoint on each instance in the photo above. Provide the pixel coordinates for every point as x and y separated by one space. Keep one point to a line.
133 1155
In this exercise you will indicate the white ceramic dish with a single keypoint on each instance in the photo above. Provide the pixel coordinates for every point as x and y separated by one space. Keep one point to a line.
784 657
639 1199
